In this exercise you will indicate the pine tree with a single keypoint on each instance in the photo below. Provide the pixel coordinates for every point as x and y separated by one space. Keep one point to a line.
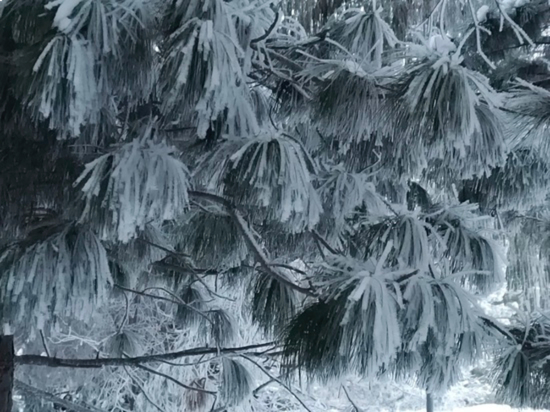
202 197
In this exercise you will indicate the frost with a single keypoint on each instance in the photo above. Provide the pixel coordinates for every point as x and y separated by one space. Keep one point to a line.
145 184
65 274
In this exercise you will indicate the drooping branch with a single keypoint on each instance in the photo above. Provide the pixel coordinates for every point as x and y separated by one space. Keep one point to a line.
100 363
171 379
252 244
50 397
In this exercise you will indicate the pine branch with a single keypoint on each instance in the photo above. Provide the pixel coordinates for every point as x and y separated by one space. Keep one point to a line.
253 245
100 363
478 29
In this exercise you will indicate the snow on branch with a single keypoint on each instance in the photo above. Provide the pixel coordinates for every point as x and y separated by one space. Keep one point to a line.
250 240
129 361
66 273
270 174
140 183
203 75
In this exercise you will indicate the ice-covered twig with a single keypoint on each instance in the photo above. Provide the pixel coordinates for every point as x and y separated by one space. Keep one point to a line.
478 29
355 407
134 380
103 362
518 30
171 379
280 382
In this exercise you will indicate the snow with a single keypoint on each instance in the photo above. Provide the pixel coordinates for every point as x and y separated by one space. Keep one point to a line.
491 407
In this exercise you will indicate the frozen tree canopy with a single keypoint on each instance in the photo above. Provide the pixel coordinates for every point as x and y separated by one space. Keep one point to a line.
207 204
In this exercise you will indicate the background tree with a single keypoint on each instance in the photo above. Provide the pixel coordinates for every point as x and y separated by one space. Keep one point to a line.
200 198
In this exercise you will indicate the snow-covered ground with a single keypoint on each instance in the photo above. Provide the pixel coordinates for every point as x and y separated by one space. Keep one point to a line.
491 407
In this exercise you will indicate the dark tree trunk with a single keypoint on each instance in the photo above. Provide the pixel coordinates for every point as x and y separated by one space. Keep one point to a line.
429 402
7 367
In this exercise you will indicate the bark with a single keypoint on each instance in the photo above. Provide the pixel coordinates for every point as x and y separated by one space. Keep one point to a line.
7 366
429 402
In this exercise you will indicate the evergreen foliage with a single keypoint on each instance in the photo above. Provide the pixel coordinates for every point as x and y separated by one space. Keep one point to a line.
339 182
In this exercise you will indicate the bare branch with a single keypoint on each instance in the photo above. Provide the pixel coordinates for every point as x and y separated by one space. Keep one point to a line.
268 32
171 379
355 407
143 391
102 362
44 343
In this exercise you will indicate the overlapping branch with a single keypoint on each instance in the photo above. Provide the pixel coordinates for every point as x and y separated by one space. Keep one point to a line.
251 242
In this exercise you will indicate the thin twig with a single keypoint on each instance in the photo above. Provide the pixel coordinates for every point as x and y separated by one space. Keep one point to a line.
478 30
270 381
289 267
355 407
518 30
143 391
322 240
44 343
284 385
50 397
171 379
160 247
268 31
176 302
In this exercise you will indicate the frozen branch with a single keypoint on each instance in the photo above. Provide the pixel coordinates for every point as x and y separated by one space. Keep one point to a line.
100 363
47 396
280 382
268 31
355 407
177 300
171 379
143 391
518 31
478 29
252 244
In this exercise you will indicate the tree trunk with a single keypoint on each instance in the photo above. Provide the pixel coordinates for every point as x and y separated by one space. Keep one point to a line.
7 367
429 402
